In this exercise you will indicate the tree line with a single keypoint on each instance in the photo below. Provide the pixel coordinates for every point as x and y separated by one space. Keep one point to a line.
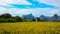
9 18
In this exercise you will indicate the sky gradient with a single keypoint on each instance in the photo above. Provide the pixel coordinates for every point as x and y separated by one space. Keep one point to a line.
35 7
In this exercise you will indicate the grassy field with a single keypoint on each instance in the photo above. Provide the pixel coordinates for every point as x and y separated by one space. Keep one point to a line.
30 28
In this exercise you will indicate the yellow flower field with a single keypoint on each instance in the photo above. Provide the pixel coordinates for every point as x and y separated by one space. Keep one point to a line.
30 28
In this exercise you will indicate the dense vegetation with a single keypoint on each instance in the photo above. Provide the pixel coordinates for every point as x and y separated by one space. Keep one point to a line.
9 18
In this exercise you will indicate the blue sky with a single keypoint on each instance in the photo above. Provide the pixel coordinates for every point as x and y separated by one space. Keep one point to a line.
35 7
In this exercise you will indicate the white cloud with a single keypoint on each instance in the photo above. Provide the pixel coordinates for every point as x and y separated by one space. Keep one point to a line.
22 2
7 2
54 3
51 2
2 10
35 12
51 12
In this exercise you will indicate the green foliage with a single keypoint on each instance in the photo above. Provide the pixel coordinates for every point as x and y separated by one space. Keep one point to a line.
18 19
5 15
8 18
38 19
33 19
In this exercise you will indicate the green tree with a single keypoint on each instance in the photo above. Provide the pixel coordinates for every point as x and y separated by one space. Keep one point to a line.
55 17
33 20
19 19
6 15
38 19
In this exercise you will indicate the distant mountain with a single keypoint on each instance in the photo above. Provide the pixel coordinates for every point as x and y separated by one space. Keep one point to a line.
29 16
42 18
